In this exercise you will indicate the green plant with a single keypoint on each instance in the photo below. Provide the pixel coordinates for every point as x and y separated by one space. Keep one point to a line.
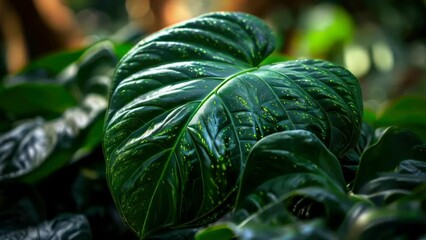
51 118
200 130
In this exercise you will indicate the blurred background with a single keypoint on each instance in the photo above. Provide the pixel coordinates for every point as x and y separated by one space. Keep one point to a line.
381 42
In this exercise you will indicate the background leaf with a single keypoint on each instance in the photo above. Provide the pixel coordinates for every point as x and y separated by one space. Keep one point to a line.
399 221
66 130
394 146
406 112
22 216
35 99
65 226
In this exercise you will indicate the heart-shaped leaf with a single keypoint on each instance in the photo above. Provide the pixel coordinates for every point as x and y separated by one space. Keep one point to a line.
189 102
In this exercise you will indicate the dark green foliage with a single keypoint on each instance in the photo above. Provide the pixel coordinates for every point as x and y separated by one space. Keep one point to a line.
189 102
200 128
208 135
51 120
21 217
35 148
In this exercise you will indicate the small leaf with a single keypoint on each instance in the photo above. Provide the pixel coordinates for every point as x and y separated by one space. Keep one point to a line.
66 226
393 222
389 187
350 161
95 68
406 112
35 99
289 152
54 63
218 231
22 217
35 149
394 146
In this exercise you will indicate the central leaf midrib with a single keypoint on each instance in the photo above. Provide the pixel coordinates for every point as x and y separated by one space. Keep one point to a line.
184 129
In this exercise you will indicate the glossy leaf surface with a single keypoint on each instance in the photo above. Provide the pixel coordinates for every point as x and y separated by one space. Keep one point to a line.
393 147
295 157
66 226
404 220
22 217
67 130
189 102
49 145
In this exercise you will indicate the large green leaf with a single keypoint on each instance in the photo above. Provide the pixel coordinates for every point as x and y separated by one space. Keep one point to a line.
188 103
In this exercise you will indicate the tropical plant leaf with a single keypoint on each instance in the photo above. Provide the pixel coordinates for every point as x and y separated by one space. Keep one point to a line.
35 99
70 114
296 230
289 155
280 218
397 221
389 187
406 112
189 102
66 226
393 147
22 217
350 161
20 206
24 96
53 63
46 146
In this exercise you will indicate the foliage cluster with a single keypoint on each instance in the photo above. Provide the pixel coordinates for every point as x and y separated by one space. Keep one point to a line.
206 136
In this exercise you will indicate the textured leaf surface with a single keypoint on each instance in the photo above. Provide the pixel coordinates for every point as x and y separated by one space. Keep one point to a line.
277 221
287 160
65 226
189 102
64 130
46 146
393 147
